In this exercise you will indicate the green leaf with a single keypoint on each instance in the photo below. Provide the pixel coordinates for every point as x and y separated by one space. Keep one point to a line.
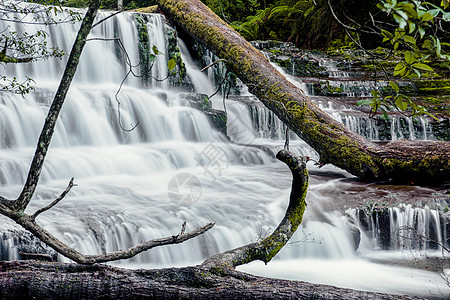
401 21
445 3
434 12
408 8
387 34
427 17
400 69
412 26
423 66
375 93
438 47
402 14
155 50
364 102
152 58
421 31
171 64
394 86
419 75
401 105
409 39
431 115
428 44
409 57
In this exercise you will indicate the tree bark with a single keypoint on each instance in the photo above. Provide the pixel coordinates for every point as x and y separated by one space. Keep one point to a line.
406 162
41 280
50 121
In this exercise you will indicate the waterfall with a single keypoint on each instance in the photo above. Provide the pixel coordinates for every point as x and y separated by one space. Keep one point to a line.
404 227
128 186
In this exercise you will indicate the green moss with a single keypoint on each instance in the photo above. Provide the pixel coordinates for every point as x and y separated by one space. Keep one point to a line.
147 10
178 74
323 88
433 100
143 47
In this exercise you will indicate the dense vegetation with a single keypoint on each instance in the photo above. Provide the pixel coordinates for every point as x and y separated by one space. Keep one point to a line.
310 23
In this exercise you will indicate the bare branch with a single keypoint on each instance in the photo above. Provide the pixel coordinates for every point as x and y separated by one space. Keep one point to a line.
108 17
212 64
50 122
286 143
183 227
345 25
176 239
27 222
63 194
266 249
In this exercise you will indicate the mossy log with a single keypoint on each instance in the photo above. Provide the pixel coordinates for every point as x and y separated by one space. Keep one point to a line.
43 280
406 162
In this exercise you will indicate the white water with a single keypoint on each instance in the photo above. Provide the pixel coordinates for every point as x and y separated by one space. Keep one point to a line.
125 181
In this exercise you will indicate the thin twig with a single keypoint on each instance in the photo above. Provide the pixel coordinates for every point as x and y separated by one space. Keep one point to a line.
104 19
286 143
183 228
212 64
57 200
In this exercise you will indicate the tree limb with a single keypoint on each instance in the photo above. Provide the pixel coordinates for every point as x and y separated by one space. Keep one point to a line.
66 191
266 249
27 222
212 64
50 122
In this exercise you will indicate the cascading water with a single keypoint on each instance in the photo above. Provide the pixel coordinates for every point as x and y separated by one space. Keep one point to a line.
130 184
336 92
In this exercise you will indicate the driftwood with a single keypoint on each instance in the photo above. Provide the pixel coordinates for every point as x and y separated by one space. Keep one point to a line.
40 280
402 161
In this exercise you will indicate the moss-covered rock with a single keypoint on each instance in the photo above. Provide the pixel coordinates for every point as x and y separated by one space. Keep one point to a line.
441 130
217 118
143 47
177 76
324 88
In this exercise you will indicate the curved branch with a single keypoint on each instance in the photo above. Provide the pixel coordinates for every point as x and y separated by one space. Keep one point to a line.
27 222
266 249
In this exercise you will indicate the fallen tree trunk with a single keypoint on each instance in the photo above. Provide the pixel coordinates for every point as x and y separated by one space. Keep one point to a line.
41 280
402 161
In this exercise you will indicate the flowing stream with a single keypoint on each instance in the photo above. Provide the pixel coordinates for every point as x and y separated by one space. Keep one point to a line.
175 167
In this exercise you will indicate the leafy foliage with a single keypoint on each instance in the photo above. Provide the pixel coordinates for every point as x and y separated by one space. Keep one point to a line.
28 47
418 31
266 24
